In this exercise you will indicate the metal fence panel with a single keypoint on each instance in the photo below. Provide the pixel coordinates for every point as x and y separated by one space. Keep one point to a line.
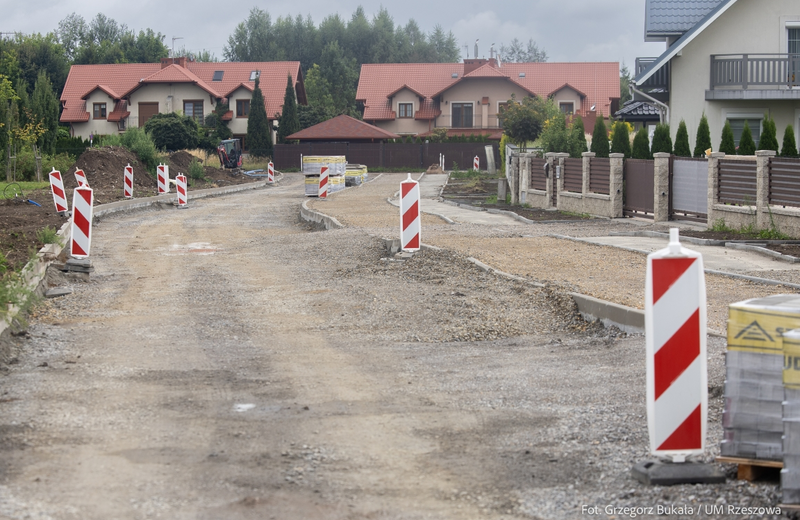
365 153
287 156
599 175
538 180
573 175
784 182
737 182
639 181
401 156
690 186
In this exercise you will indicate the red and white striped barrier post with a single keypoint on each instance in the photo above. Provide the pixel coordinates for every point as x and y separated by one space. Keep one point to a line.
81 241
128 182
180 188
675 326
81 177
270 172
323 182
476 163
57 187
409 215
163 178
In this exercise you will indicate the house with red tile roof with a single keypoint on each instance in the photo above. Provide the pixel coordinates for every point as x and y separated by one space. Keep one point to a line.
343 128
108 99
467 98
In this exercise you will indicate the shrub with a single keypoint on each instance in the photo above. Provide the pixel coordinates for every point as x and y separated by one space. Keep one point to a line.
48 235
139 142
172 131
703 140
621 139
555 136
727 144
789 146
196 170
600 138
769 137
26 164
71 145
662 142
746 144
682 141
577 138
504 140
641 145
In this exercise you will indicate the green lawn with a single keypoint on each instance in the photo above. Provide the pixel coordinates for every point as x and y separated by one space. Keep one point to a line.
8 190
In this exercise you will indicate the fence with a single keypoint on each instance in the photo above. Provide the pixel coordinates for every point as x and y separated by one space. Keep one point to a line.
784 182
737 182
599 175
573 175
388 155
689 188
538 180
639 185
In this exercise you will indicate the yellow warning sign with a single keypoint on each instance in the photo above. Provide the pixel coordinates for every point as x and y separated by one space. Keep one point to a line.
757 325
791 360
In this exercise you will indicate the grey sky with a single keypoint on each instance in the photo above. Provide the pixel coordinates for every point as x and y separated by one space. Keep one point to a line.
569 30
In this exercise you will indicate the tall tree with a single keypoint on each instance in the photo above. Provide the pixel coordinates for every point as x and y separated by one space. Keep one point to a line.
259 134
682 141
523 121
252 39
517 52
289 121
789 146
624 84
703 140
621 139
600 138
662 142
319 94
727 144
71 32
45 108
36 53
444 46
341 73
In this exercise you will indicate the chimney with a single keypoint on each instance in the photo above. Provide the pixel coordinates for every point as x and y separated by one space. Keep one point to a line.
166 62
470 65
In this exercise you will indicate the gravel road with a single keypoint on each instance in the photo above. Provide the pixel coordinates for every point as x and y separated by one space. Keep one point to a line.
228 361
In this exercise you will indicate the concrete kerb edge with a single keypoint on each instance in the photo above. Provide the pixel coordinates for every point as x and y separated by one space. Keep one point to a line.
396 204
763 251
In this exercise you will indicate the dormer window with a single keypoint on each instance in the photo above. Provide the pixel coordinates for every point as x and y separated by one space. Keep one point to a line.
405 110
255 74
99 110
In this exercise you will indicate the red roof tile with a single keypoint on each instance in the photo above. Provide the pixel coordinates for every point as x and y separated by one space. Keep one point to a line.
120 111
227 116
428 109
567 85
125 77
391 94
341 128
104 88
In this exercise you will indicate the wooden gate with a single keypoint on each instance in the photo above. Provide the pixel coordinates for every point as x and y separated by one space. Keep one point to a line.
638 179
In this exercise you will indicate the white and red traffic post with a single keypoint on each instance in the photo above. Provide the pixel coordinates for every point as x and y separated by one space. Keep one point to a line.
675 327
323 183
57 188
81 241
163 178
81 177
270 172
476 163
409 215
127 182
180 188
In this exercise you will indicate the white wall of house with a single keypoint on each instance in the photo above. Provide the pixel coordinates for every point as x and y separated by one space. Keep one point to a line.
568 95
405 125
96 126
473 91
751 27
170 97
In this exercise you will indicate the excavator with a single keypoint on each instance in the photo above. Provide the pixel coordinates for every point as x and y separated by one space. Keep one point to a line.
230 153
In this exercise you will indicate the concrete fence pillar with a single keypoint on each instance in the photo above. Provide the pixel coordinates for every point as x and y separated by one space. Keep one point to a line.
713 185
587 168
762 187
524 177
615 184
513 179
550 181
559 182
661 187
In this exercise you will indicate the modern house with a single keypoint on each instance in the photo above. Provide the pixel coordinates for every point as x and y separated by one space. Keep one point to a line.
468 98
108 99
734 60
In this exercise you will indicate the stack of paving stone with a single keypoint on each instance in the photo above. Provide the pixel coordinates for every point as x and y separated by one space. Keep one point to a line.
790 474
752 420
312 166
355 174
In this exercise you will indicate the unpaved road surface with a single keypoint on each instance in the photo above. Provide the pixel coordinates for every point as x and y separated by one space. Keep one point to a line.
228 362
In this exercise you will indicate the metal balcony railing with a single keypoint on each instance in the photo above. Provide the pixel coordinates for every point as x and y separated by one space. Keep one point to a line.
761 71
659 80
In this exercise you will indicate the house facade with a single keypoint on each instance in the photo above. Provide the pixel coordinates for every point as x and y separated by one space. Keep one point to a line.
734 60
109 99
468 98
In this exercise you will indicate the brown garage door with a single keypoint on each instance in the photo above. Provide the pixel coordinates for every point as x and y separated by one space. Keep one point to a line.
146 111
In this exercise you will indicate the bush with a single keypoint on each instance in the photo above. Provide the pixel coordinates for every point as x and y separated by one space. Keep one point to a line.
600 138
172 131
577 138
26 164
71 145
746 144
621 138
662 142
789 146
196 171
703 140
641 145
727 144
139 142
769 137
682 141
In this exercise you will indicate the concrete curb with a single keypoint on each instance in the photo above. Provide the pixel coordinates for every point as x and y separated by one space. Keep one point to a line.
627 319
763 251
317 217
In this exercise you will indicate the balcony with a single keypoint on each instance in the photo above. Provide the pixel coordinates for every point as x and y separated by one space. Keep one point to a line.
754 76
656 85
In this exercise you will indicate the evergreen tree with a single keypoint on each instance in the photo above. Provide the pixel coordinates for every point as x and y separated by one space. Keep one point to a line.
577 138
662 142
682 141
289 121
769 137
44 107
746 144
703 140
727 144
259 134
641 145
600 138
621 139
789 146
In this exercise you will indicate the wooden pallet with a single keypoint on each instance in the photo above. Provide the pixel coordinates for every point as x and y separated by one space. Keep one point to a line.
751 469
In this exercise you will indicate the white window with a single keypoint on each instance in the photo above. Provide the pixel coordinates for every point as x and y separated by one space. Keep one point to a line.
737 125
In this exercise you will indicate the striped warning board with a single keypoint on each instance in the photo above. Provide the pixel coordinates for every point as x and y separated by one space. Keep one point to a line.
180 188
81 241
322 192
476 163
57 187
409 215
127 182
163 178
270 172
675 325
80 176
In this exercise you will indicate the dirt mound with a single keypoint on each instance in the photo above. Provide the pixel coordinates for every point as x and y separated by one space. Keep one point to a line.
180 161
104 169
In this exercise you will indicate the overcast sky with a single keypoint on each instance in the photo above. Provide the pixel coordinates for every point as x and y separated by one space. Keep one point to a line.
569 30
